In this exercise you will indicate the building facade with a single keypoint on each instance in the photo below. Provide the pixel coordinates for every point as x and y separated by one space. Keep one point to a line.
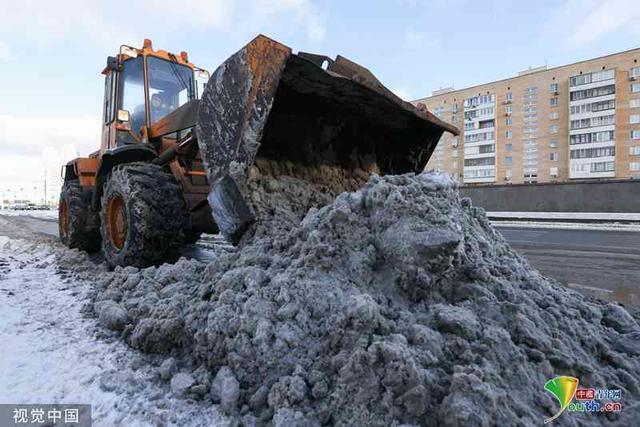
574 122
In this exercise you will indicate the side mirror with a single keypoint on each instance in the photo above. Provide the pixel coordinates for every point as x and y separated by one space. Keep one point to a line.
123 116
112 63
123 122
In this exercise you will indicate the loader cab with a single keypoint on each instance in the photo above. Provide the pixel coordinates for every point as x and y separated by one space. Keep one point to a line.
141 87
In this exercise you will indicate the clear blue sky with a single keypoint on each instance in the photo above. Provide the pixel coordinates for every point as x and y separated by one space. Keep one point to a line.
52 53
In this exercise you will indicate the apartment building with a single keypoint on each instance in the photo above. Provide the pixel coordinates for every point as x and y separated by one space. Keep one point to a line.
574 122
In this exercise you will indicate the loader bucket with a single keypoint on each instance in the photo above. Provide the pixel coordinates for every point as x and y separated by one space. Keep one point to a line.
302 115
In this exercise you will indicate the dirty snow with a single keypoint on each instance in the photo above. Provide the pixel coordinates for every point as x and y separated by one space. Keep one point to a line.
395 304
53 353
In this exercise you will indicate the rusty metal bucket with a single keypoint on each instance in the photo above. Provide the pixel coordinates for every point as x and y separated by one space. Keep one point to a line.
266 105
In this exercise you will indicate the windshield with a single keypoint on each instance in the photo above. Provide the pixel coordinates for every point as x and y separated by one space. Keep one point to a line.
170 86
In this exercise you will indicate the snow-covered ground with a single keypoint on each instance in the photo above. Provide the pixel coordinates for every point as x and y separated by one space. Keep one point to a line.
53 353
48 214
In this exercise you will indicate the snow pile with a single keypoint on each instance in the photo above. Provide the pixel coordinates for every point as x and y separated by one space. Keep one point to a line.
395 304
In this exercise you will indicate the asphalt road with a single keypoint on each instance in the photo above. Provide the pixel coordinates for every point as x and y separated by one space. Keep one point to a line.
601 263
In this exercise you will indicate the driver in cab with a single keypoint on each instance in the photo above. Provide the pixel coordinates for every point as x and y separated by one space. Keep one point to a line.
159 107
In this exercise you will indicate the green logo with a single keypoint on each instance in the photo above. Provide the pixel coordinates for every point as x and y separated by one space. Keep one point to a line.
564 389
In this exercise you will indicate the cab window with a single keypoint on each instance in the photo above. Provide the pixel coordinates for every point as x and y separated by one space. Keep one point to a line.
131 92
170 86
109 87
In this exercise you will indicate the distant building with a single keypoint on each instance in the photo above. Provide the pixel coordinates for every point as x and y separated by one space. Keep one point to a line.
577 121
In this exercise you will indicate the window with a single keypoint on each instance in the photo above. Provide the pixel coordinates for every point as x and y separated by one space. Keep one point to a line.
595 92
489 148
589 153
634 118
508 134
585 138
454 153
482 161
485 136
634 151
454 164
482 173
508 161
454 142
109 88
634 166
553 172
486 124
634 72
593 121
553 115
634 103
454 118
635 87
131 95
602 75
553 87
508 109
487 111
592 77
170 86
603 167
553 143
635 134
601 105
553 101
509 96
553 129
508 147
553 156
477 100
508 121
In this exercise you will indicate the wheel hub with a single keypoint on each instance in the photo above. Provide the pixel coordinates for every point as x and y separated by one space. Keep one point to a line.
117 222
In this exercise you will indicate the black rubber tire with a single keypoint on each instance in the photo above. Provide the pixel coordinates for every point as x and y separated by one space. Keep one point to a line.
155 215
83 226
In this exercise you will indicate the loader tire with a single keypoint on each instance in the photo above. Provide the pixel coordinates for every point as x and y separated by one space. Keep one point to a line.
78 225
142 216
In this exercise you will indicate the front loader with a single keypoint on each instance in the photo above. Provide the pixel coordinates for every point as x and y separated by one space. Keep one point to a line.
179 147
